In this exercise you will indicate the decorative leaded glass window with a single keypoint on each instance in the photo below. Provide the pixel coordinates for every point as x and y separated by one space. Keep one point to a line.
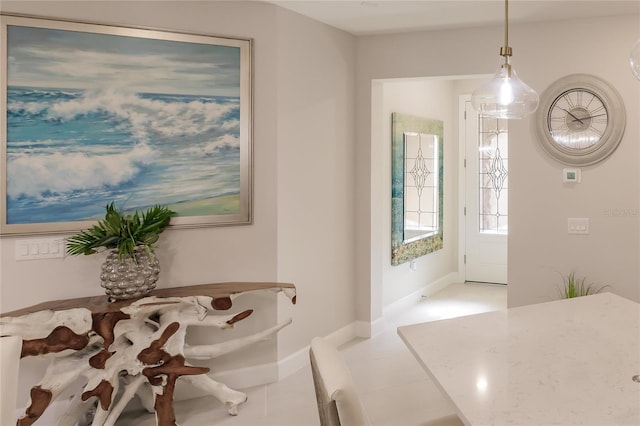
493 176
421 185
416 187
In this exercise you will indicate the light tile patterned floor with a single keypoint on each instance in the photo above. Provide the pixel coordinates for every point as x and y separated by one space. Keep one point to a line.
394 389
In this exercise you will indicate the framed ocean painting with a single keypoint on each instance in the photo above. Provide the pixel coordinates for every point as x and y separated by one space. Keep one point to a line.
92 114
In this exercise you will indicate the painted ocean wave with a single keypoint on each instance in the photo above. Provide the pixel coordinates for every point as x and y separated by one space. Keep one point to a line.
41 174
70 152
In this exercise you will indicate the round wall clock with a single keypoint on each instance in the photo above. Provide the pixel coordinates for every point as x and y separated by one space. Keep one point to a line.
580 120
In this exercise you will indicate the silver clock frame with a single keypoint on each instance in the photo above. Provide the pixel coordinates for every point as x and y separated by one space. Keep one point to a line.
612 135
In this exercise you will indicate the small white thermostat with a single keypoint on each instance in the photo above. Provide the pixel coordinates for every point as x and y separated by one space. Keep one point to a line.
571 175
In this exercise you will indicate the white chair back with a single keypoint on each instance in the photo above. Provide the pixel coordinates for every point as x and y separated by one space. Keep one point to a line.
338 401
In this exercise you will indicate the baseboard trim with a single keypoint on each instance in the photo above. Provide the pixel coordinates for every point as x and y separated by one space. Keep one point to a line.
300 359
247 377
412 299
367 330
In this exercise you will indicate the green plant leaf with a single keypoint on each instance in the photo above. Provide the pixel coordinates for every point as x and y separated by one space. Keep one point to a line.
573 286
121 231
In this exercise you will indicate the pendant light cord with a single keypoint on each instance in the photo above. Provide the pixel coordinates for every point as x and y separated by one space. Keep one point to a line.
506 24
505 51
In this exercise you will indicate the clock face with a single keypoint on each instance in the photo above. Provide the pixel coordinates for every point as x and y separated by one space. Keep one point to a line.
580 120
577 119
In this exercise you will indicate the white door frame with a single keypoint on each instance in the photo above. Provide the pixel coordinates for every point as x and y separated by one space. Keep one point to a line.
462 187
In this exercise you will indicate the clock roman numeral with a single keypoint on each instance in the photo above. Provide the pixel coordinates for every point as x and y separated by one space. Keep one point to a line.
568 100
596 130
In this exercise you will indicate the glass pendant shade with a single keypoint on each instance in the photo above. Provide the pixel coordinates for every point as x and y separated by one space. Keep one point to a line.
634 60
505 95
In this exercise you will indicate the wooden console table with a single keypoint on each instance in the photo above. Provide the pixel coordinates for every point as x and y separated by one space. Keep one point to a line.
131 347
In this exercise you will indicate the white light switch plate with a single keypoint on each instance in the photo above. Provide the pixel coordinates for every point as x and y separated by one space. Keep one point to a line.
578 225
39 248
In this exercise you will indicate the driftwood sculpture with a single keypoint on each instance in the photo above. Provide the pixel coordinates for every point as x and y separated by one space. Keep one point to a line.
128 348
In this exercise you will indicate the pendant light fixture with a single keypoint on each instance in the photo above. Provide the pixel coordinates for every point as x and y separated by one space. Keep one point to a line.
634 60
505 95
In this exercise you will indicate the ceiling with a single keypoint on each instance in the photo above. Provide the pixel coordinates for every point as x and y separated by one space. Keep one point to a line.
367 17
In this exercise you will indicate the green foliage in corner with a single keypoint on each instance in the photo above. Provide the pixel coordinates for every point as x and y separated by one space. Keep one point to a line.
121 231
575 287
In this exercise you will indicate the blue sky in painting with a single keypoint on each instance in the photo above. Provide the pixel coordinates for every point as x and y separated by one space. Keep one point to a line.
40 57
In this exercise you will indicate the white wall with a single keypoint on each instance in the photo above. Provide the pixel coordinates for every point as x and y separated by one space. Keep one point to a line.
539 204
539 247
432 99
315 176
303 209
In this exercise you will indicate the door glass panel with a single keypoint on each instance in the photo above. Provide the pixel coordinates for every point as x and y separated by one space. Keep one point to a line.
493 176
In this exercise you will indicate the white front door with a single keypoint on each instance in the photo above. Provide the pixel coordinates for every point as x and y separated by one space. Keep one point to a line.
486 186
